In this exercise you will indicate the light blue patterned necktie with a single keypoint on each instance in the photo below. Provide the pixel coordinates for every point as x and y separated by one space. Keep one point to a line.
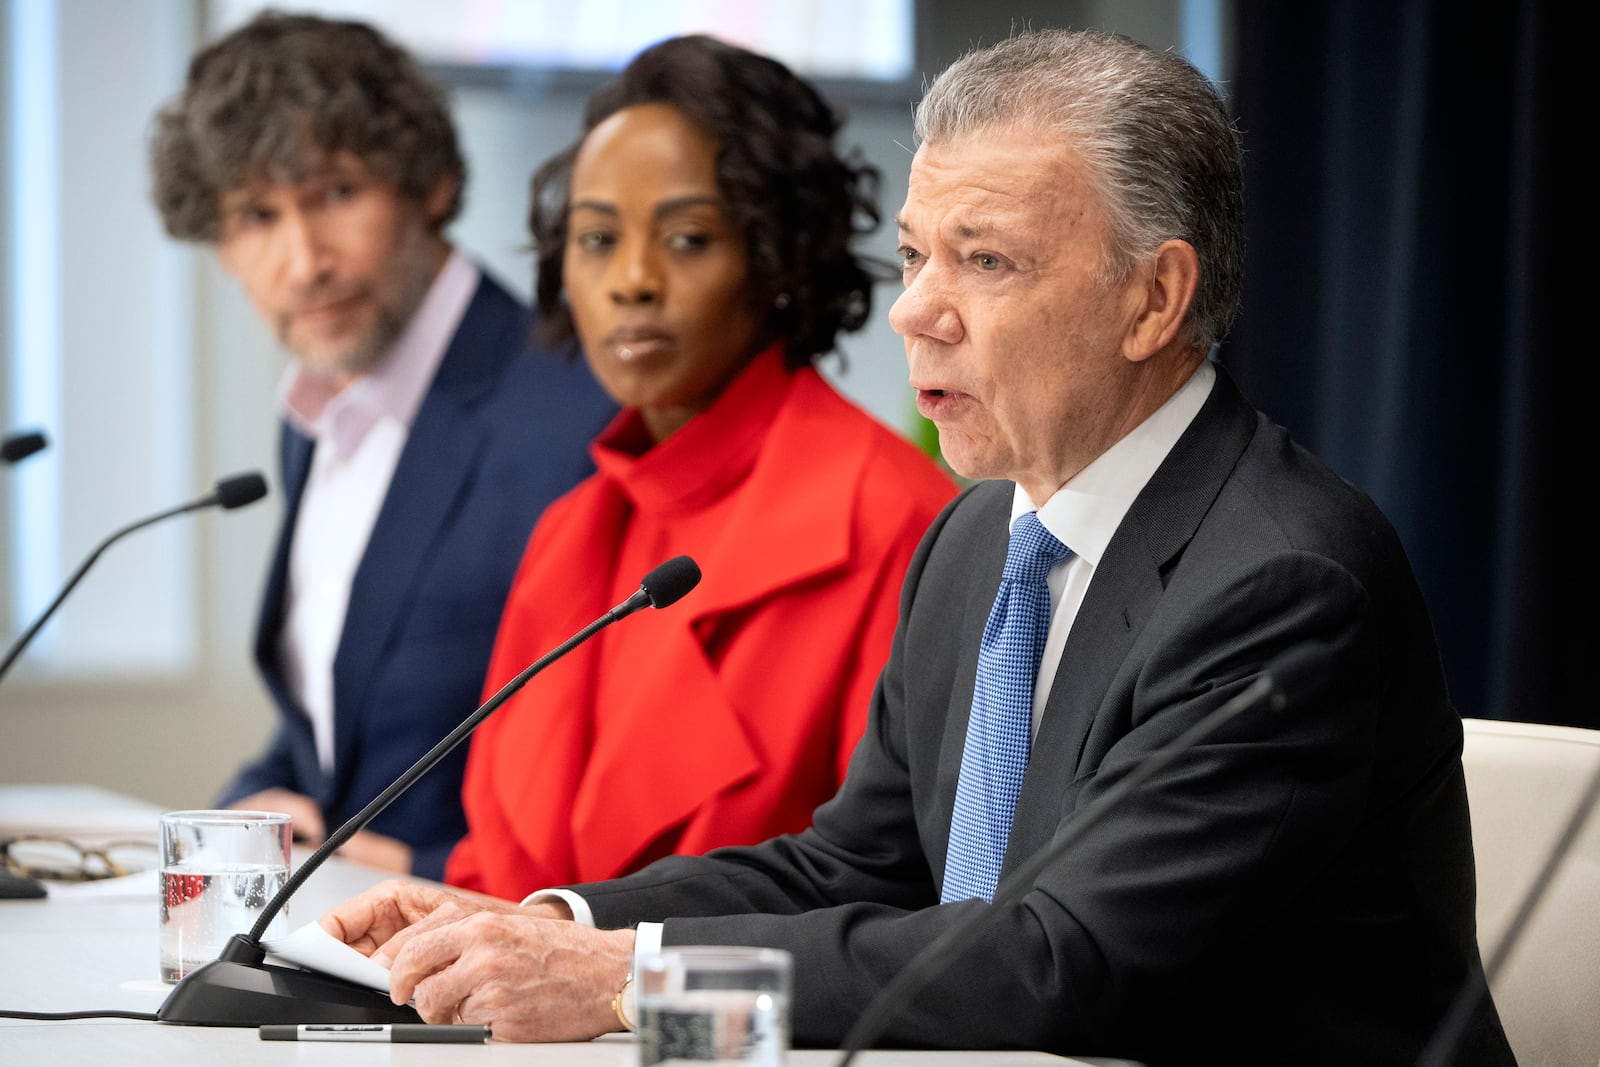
1000 731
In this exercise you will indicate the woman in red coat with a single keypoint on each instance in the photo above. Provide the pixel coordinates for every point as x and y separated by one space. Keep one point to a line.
696 240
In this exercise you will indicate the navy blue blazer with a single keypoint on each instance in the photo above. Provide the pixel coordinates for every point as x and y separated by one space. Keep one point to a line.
503 430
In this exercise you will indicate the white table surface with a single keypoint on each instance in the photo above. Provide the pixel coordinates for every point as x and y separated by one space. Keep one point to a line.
76 953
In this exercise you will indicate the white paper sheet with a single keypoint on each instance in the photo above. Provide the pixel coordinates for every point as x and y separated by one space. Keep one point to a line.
312 946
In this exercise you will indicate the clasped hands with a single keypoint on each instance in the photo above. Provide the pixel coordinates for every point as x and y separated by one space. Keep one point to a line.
527 972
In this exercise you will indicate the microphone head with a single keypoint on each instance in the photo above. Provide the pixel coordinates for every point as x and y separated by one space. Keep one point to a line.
240 489
19 446
668 582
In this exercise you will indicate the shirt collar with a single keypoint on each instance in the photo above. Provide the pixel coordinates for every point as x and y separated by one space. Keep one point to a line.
341 418
1085 513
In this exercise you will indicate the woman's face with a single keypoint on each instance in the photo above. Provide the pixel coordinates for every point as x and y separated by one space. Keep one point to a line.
654 268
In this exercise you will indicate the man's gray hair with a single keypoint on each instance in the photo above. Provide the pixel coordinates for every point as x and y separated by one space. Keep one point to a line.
1159 147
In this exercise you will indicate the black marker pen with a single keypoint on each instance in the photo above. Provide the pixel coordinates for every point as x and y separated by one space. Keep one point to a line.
398 1033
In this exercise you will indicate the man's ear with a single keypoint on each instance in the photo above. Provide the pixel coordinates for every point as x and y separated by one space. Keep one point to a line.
1170 280
440 198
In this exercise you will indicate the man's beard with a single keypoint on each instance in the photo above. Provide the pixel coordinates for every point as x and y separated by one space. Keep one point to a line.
397 296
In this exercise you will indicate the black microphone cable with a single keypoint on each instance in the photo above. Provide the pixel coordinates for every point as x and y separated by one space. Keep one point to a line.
63 1016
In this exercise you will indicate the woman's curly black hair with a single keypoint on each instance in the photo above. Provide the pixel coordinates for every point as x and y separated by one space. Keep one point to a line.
798 202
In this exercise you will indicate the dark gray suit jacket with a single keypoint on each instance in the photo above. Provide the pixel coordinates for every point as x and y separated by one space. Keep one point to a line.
1298 889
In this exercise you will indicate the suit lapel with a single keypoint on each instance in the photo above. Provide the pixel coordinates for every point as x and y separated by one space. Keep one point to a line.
1120 598
984 559
294 462
1125 591
435 471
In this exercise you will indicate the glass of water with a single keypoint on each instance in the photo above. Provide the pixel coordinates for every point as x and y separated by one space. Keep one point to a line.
218 871
712 1004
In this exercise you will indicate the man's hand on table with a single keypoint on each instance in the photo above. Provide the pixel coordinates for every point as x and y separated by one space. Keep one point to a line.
526 971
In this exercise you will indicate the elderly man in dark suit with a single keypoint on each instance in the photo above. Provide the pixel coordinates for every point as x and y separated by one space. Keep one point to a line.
422 437
1297 888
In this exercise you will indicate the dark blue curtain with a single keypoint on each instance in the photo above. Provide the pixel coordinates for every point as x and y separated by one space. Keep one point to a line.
1401 309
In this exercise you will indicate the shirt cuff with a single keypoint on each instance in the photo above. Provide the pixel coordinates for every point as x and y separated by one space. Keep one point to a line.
646 936
581 912
646 943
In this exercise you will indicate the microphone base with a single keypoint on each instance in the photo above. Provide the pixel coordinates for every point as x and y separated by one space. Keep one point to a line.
234 992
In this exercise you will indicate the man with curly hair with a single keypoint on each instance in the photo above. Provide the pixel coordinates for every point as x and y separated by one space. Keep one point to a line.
422 436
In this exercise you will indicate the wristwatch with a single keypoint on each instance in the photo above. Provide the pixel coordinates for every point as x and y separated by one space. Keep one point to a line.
623 1004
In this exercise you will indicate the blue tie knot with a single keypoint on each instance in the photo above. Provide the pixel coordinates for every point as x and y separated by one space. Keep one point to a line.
1033 550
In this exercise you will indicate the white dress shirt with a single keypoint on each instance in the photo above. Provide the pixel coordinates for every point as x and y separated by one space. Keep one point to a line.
359 432
1084 513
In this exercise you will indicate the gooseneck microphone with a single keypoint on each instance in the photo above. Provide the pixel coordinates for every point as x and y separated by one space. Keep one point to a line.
232 492
1286 679
20 445
239 989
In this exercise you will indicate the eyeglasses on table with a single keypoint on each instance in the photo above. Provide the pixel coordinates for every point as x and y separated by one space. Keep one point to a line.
58 859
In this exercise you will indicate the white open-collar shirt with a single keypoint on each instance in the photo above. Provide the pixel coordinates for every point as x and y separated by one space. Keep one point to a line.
359 432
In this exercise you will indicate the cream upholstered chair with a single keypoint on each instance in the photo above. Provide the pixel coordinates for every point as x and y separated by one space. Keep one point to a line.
1524 783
